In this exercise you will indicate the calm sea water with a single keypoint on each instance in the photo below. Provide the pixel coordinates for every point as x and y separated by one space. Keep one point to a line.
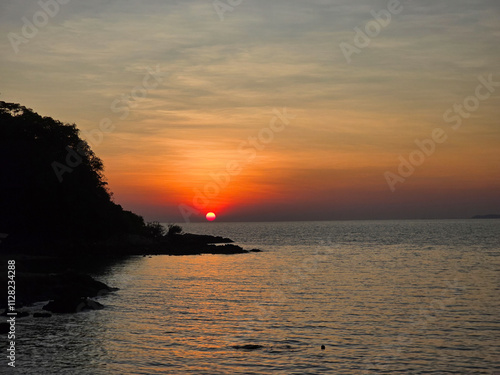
383 297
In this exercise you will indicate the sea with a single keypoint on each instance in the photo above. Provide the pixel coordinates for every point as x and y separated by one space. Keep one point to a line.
340 297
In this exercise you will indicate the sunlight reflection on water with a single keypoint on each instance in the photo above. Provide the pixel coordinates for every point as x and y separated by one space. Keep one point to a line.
382 297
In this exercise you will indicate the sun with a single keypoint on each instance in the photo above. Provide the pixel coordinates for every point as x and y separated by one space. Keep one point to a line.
210 216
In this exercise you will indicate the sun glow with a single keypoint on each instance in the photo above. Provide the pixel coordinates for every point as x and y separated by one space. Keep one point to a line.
210 216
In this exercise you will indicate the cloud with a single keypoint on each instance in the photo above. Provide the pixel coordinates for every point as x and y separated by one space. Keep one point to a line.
223 79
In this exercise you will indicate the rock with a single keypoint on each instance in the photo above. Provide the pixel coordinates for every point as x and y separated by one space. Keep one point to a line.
193 244
255 251
224 249
248 347
82 285
42 315
34 287
72 304
200 239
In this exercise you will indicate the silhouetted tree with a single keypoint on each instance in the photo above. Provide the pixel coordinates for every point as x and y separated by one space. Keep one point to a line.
52 187
155 230
174 229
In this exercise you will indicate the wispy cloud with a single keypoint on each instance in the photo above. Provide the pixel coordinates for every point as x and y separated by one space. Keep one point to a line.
222 80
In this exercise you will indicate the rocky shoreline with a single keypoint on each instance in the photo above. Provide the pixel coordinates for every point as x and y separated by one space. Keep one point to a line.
68 292
64 280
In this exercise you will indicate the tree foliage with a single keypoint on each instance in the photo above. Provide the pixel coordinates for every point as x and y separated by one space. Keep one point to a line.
174 229
36 205
155 230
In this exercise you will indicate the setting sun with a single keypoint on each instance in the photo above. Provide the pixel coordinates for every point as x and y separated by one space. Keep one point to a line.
341 152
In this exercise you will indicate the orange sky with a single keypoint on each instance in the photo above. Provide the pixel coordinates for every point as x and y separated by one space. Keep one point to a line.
195 103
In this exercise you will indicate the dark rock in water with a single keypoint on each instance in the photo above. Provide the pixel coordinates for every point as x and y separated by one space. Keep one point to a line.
35 286
42 315
20 314
4 328
248 347
224 249
195 244
322 347
82 285
71 304
255 251
192 244
201 239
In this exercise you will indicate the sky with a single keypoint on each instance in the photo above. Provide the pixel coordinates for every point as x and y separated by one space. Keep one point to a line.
271 110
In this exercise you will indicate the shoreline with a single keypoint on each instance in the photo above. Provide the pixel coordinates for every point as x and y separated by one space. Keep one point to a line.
64 277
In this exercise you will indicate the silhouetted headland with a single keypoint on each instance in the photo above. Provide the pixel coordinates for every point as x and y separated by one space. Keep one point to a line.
57 214
54 197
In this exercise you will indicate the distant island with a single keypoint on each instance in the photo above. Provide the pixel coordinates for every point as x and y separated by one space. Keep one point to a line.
58 220
489 216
